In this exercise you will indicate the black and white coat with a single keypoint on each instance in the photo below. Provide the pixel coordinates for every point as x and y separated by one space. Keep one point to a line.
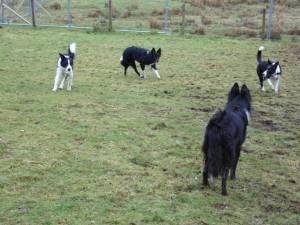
64 70
267 70
144 57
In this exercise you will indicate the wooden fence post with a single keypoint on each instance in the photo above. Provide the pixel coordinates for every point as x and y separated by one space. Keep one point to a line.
109 16
263 26
183 18
33 13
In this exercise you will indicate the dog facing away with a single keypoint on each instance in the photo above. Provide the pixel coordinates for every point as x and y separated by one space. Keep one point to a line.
267 70
64 70
224 136
142 56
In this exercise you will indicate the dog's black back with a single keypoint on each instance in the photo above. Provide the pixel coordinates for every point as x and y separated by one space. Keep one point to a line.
142 56
224 136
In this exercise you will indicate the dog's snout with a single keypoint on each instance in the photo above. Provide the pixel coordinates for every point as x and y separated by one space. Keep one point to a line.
69 69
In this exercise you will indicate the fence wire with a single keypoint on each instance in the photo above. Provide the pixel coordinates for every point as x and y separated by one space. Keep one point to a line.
220 17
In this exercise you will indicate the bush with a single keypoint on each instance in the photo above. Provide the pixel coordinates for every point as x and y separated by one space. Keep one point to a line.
95 14
55 6
294 31
199 30
205 20
155 24
133 5
241 32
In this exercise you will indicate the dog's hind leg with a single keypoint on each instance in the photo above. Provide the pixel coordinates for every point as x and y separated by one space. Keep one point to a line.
135 69
205 175
224 180
236 160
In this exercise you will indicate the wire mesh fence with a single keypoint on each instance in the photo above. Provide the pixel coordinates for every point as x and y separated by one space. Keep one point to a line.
227 17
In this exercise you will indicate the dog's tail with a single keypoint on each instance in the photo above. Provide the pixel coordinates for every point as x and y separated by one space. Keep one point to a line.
258 56
122 60
72 50
212 145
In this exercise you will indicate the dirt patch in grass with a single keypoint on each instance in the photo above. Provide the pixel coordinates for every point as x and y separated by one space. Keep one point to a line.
260 122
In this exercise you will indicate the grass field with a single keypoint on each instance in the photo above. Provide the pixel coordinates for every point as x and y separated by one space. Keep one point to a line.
121 150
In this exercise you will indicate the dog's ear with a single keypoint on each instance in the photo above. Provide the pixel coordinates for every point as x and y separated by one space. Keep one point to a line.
245 92
153 50
159 51
269 61
61 56
235 90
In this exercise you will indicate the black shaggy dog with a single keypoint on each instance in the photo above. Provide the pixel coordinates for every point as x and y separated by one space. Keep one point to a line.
224 136
142 56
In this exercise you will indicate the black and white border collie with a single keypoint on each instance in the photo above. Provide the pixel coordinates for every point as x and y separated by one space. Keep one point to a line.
64 70
224 136
267 70
142 56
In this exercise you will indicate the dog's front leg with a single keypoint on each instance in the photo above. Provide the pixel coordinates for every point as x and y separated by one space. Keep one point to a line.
57 79
143 71
277 85
271 84
155 71
70 82
61 86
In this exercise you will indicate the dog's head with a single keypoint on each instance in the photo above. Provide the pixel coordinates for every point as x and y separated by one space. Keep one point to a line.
155 55
66 62
240 100
273 69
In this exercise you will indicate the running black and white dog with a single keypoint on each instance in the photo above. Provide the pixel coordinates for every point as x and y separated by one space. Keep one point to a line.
224 136
64 70
142 56
267 70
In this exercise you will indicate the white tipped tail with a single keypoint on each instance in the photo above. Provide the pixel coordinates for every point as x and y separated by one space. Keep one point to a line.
72 47
121 58
261 48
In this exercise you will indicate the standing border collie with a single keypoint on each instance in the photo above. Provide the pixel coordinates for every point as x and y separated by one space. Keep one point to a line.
64 70
142 56
224 136
267 70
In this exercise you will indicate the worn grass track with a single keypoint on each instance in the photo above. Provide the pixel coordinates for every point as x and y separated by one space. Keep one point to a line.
121 150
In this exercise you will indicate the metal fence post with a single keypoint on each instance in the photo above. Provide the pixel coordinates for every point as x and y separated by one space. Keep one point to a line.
32 13
263 26
2 12
269 35
183 18
69 14
166 17
109 15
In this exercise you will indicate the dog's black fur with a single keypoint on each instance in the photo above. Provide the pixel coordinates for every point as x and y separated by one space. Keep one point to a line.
266 69
224 136
142 56
70 56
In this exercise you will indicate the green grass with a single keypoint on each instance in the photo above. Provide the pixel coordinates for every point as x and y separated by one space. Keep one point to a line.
121 150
